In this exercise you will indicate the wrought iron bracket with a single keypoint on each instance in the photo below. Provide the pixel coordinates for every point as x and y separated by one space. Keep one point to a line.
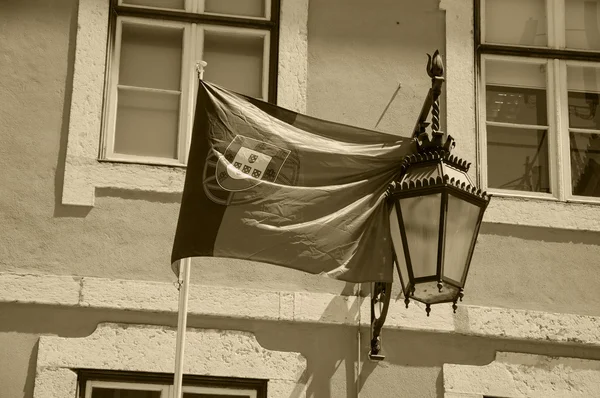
380 302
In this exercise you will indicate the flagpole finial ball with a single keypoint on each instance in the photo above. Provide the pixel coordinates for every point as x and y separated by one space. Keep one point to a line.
200 65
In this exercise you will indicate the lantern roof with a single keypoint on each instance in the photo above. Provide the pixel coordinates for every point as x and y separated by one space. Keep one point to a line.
436 168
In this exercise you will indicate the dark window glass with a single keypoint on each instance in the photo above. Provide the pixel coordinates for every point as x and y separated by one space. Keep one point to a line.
98 392
516 105
585 164
518 159
583 110
200 395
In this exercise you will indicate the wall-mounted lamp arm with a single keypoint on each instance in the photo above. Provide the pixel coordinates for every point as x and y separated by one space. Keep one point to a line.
380 302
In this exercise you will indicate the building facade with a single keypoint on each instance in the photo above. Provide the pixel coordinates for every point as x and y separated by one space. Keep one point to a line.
94 127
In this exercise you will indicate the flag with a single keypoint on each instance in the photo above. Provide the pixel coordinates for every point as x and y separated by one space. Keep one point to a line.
267 184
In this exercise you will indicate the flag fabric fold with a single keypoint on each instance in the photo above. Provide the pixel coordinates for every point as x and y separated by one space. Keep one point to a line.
270 185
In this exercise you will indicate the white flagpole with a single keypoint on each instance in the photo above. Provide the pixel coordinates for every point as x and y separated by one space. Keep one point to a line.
184 287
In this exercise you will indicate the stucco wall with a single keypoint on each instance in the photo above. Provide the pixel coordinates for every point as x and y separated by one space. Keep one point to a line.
129 234
412 367
358 54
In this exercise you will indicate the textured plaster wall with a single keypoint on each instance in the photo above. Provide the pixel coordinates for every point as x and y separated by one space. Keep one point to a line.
536 268
413 365
358 54
357 57
129 234
126 234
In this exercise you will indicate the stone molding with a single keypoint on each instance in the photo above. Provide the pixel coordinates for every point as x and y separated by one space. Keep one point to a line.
302 307
83 172
519 375
150 348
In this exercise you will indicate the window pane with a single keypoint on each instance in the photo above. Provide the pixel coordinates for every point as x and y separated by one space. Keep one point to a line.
174 4
234 61
517 159
200 395
585 164
120 393
583 110
421 216
151 56
581 24
246 8
147 123
461 221
515 92
515 74
516 105
583 85
520 22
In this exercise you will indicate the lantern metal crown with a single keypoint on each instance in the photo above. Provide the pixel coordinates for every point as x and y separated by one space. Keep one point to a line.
435 215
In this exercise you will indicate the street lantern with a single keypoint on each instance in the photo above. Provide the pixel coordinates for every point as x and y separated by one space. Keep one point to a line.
435 215
435 219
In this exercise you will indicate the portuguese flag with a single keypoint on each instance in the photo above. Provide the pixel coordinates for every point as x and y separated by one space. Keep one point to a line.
267 184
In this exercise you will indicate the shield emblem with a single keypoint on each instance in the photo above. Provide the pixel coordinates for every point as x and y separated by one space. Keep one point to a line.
247 162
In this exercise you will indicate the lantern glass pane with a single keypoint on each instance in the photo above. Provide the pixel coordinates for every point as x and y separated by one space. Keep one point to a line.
398 248
421 216
461 222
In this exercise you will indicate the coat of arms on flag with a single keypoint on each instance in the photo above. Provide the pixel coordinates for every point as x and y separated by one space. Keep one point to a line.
247 162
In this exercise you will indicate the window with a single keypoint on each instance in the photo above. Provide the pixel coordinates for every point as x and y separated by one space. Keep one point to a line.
111 384
155 44
539 91
91 160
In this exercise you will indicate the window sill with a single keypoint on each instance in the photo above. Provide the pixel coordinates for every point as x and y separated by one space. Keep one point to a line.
82 179
84 172
545 213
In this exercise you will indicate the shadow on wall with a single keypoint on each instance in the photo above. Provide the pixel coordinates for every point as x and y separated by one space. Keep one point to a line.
159 197
541 234
30 380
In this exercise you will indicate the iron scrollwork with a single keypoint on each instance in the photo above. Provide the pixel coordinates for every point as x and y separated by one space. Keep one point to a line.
380 302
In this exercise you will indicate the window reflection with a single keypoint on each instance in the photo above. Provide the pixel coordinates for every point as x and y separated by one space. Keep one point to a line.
516 105
99 392
581 24
585 164
583 110
518 159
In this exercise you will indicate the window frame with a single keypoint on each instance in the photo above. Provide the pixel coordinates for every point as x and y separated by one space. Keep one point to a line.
84 172
194 23
557 58
163 382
